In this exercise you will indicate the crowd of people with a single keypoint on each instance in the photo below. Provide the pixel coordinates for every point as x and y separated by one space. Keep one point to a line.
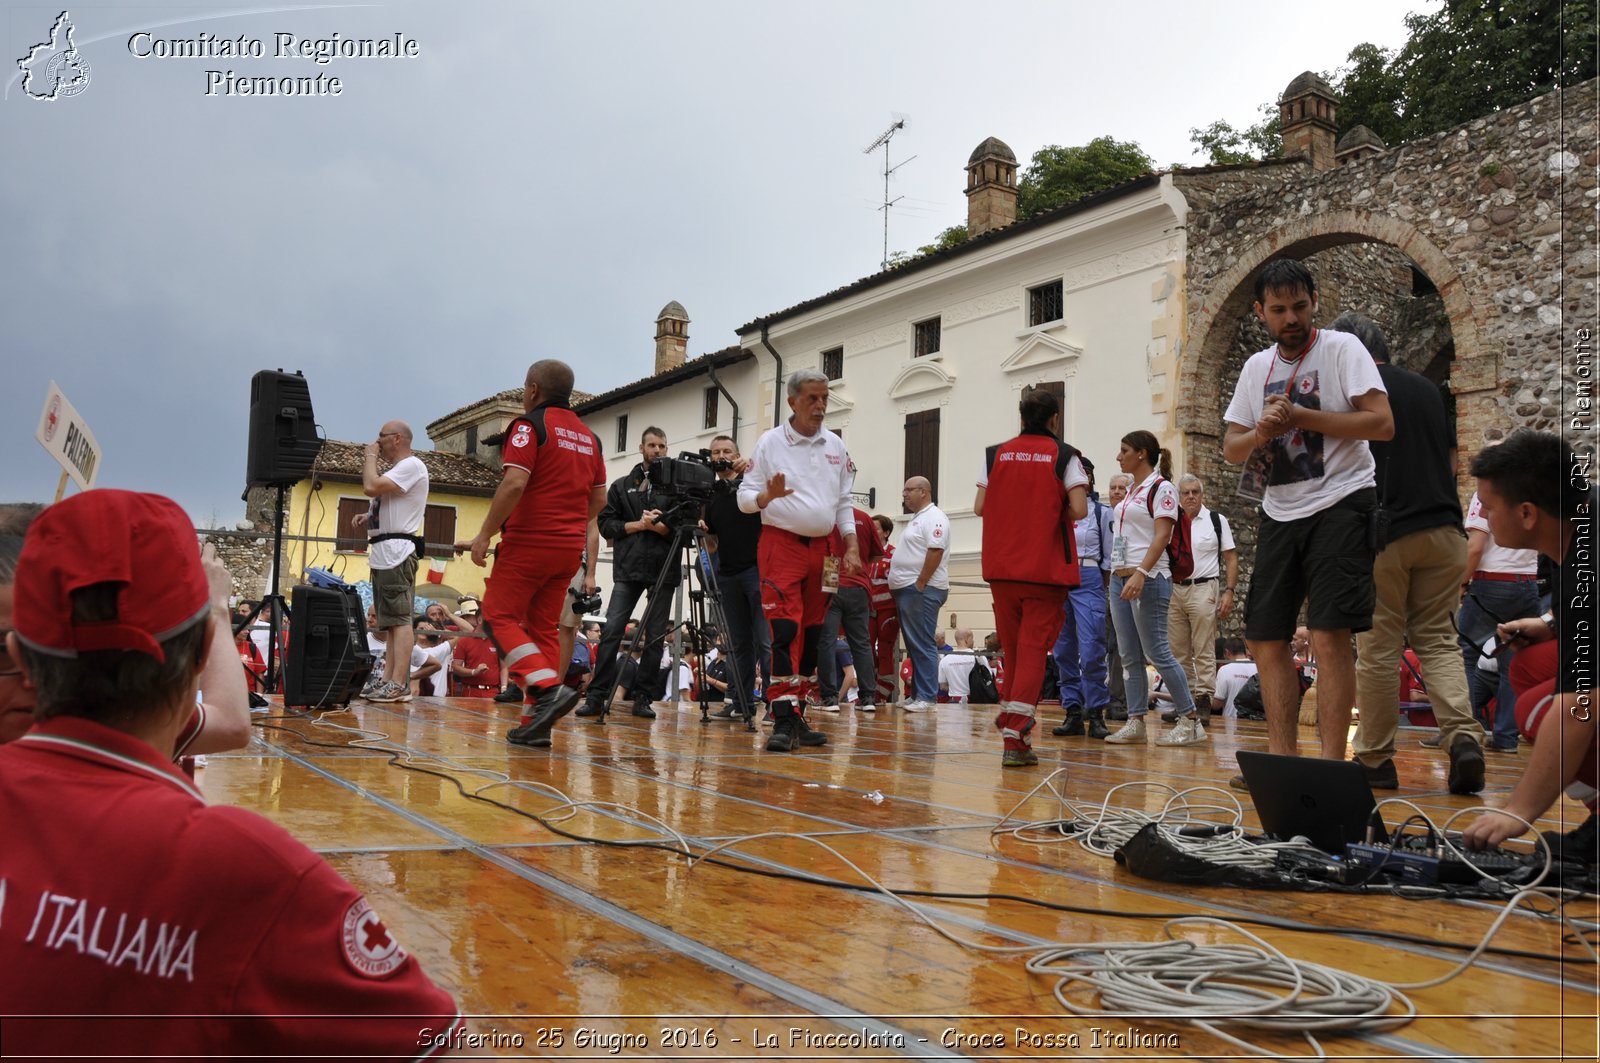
115 664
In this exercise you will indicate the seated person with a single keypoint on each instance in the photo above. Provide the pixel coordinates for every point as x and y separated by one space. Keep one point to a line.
476 665
1535 496
433 677
955 668
1233 673
168 913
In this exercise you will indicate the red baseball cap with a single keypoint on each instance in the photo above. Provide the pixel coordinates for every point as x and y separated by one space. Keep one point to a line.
143 542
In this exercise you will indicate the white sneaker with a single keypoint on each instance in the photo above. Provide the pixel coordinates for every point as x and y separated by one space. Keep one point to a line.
1188 731
829 706
866 706
1131 733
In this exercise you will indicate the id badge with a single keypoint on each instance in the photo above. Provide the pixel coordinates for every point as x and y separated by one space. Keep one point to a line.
830 575
1119 551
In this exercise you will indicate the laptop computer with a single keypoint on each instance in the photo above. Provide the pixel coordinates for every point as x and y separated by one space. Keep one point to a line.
1327 801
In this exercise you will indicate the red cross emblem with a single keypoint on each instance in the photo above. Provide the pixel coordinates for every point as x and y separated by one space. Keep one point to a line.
368 946
52 417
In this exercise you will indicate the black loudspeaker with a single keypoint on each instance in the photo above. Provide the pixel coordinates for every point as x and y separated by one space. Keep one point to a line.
283 431
327 661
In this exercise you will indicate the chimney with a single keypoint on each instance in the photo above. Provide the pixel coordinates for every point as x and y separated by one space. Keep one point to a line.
991 187
1357 144
1307 113
672 336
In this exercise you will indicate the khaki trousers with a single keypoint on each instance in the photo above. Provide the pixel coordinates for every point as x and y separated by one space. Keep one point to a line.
1418 582
1192 634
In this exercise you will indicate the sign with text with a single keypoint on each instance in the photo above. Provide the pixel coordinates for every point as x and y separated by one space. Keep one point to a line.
63 433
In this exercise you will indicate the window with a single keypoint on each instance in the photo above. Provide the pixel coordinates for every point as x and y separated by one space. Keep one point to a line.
833 363
1054 387
439 529
1044 303
352 540
709 420
472 441
622 434
922 447
926 338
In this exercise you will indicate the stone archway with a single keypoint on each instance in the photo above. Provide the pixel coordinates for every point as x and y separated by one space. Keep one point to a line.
1215 316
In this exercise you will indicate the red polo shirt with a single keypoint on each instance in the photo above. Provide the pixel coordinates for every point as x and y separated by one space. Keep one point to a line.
563 462
472 652
128 902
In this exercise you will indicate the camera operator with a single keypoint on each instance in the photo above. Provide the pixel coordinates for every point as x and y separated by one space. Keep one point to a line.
641 545
734 537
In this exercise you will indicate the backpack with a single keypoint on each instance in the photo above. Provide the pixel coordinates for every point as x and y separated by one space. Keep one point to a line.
981 689
1248 700
1180 548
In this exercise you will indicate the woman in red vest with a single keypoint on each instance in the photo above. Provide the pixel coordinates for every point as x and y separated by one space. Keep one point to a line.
1032 491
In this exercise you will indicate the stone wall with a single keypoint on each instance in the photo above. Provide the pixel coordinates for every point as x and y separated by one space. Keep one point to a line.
250 559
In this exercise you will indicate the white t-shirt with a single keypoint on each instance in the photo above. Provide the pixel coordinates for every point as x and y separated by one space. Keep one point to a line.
1310 471
928 530
1203 541
380 651
955 674
1497 558
398 513
440 679
1231 678
1134 528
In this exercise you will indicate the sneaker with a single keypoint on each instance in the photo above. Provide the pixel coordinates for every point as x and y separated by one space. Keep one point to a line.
372 685
866 706
1023 757
1433 741
916 705
387 692
1131 733
543 712
1383 777
511 695
729 711
1188 731
643 710
1501 745
1466 766
829 706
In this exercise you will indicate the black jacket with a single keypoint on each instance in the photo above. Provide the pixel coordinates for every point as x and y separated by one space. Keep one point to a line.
636 557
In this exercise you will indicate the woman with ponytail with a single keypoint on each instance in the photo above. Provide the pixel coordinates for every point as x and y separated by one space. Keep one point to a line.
1141 588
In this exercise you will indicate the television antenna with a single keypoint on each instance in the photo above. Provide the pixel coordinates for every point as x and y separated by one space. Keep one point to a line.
901 121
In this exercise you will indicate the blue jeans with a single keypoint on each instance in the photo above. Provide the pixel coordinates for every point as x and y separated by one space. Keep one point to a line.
741 608
1080 650
919 619
1142 633
1508 601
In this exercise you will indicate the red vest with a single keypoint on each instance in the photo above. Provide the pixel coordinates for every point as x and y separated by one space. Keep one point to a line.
1028 532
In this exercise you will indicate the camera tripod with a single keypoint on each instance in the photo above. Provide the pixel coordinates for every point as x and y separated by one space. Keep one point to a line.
704 606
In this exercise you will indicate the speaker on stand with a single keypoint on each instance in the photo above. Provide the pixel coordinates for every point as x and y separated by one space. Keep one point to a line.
283 447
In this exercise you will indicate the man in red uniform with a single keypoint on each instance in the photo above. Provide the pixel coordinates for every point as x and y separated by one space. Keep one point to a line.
475 664
552 485
799 479
885 619
1033 491
135 916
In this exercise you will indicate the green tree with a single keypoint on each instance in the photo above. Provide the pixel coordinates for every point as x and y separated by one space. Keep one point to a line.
1227 146
1058 176
1370 91
954 236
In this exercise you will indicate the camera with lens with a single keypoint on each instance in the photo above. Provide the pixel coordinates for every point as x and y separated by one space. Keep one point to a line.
583 606
689 476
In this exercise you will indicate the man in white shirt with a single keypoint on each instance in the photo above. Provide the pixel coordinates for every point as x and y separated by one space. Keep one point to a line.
1300 418
955 668
919 579
799 479
1234 673
393 522
1206 596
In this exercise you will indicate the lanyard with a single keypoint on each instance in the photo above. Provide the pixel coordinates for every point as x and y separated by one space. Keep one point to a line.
1298 363
1130 498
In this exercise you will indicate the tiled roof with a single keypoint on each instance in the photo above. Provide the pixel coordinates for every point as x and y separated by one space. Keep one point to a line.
692 368
967 247
343 461
513 395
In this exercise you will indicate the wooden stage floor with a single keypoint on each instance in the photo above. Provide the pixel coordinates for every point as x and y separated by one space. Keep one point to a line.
571 949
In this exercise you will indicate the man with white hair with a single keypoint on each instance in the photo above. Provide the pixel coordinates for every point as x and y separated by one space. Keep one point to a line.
1206 596
799 480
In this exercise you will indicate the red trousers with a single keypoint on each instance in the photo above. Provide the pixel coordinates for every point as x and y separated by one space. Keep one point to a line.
792 598
1027 617
885 633
522 610
1533 679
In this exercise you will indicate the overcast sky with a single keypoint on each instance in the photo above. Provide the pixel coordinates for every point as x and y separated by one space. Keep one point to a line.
538 182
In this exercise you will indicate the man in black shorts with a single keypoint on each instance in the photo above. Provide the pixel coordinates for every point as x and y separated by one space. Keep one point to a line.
1301 414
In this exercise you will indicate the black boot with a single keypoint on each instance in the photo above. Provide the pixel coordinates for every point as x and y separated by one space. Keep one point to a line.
783 731
1097 724
1073 725
1115 711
